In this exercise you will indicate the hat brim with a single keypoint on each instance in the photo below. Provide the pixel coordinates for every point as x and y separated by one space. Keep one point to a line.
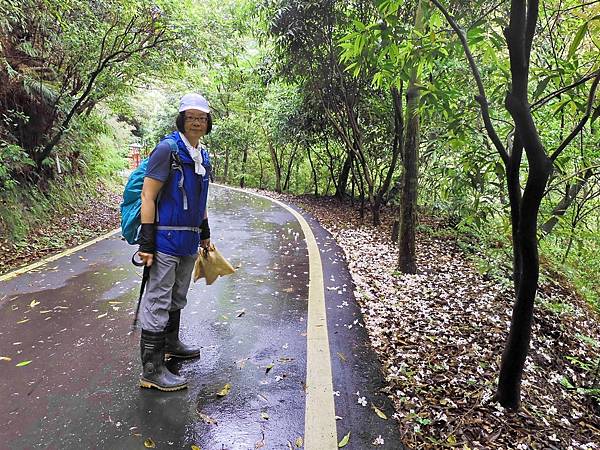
198 108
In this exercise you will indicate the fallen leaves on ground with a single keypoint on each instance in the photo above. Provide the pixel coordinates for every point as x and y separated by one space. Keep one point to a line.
223 392
379 412
344 440
440 335
65 230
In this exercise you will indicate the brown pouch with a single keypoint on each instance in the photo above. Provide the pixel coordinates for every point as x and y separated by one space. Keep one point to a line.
210 264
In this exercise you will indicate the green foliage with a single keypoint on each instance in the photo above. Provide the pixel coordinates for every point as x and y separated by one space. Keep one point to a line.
13 159
94 150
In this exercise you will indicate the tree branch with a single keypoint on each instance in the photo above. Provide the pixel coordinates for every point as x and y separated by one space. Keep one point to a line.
562 90
481 97
580 6
532 15
569 197
583 120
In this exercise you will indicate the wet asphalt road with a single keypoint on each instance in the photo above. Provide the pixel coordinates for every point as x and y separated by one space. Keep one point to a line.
72 318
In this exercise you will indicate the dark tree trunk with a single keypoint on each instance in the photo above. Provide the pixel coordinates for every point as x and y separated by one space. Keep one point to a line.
276 167
286 184
519 36
226 166
340 191
517 346
314 172
395 230
407 261
397 147
244 160
330 166
513 183
361 187
262 171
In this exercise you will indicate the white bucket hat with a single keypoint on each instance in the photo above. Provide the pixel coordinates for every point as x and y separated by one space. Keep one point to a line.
194 101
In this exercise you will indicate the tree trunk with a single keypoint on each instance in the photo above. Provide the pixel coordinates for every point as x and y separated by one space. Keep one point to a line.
407 260
276 167
262 170
361 188
513 166
395 231
244 159
314 172
286 184
330 166
517 346
524 210
226 166
519 36
340 190
397 148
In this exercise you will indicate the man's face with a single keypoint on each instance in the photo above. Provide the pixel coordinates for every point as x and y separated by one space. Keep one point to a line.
195 122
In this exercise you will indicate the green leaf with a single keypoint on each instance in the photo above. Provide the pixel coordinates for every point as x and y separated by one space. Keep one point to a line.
344 440
23 363
379 412
566 383
541 87
577 39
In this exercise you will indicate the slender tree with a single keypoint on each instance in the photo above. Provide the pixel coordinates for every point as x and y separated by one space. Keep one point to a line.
525 206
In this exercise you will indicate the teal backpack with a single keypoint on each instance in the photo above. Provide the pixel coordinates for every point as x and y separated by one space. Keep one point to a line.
131 208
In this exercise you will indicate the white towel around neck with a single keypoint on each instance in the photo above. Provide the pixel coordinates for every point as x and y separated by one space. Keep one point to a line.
196 155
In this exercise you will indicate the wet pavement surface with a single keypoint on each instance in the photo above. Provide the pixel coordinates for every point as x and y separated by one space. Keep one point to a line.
71 318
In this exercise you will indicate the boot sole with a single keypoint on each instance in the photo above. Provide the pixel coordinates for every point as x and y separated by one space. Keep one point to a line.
149 385
173 355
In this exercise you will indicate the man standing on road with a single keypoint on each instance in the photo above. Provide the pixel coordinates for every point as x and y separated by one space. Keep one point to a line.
174 227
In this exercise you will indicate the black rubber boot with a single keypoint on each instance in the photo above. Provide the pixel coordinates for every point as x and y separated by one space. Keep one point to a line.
173 346
155 373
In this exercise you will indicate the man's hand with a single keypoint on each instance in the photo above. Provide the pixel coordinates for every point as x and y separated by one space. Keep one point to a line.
147 258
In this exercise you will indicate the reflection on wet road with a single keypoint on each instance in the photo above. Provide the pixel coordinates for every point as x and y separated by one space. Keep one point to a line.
71 319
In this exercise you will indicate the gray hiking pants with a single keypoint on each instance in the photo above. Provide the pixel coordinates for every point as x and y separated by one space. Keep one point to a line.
166 289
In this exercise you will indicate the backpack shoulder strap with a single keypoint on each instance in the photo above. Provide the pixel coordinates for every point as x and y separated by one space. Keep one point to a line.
176 164
206 163
175 159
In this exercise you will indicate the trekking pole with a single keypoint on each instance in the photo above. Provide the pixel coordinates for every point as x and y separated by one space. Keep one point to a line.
145 276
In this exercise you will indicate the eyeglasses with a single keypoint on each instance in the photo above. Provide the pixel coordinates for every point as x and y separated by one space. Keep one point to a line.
202 119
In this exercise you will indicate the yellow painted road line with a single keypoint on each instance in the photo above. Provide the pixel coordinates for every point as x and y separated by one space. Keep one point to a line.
319 422
49 259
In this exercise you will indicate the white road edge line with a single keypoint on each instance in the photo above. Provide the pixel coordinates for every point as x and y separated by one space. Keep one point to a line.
319 422
49 259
